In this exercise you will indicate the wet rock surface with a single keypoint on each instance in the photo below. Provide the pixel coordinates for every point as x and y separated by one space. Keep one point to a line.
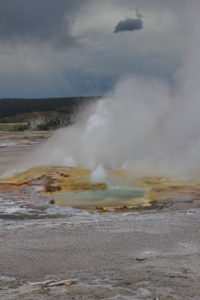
103 251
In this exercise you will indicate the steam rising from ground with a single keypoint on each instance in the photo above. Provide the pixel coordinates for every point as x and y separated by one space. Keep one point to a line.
142 125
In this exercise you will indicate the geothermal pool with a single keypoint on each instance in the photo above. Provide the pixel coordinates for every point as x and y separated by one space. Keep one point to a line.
112 197
15 148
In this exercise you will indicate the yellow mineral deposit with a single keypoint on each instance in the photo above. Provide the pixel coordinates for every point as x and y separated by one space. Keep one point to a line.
62 182
55 178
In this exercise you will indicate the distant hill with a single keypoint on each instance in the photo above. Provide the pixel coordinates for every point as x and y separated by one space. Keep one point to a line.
11 107
42 114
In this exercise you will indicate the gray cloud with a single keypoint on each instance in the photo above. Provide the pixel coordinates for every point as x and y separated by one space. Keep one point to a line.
138 14
41 21
66 47
129 25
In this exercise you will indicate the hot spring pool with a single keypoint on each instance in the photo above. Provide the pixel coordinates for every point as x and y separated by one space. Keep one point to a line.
107 198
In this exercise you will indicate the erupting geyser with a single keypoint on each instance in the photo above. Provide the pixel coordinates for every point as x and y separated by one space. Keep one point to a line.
143 125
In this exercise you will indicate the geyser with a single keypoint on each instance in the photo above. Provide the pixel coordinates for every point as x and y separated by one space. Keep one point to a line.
142 125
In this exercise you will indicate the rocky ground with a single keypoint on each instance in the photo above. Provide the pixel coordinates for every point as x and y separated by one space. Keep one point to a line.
136 255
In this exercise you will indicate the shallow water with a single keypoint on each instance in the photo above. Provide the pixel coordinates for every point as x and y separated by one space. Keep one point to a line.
110 197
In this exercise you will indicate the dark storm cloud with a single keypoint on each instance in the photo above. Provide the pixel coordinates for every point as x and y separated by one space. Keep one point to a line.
37 60
47 21
129 25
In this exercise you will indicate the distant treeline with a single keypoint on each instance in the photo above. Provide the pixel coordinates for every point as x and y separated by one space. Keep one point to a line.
11 107
40 114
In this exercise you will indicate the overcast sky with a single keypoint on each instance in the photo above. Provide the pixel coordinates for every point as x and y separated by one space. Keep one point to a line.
55 48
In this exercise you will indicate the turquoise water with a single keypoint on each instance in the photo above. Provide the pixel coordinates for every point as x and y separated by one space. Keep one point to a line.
110 197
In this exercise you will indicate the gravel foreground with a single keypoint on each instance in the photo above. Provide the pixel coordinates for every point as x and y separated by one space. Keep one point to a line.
152 255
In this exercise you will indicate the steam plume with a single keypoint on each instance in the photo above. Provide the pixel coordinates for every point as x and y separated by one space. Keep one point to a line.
142 125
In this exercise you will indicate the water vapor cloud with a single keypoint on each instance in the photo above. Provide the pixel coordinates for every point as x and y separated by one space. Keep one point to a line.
143 125
129 24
